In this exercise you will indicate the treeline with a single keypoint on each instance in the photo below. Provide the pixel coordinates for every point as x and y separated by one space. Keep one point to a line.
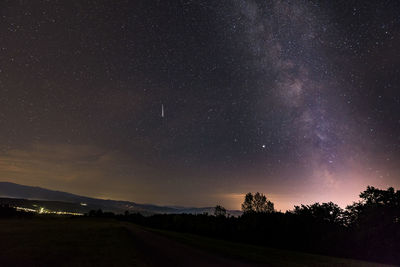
7 211
368 229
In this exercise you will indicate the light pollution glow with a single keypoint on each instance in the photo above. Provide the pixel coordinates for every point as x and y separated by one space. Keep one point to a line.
74 168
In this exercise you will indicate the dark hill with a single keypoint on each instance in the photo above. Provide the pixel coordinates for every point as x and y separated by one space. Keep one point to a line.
12 190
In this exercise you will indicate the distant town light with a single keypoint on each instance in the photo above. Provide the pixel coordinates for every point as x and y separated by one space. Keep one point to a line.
44 211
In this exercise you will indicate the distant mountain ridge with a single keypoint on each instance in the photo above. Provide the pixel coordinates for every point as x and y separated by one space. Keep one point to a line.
17 191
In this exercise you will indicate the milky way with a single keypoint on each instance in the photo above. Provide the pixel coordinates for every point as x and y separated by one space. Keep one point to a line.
286 40
296 99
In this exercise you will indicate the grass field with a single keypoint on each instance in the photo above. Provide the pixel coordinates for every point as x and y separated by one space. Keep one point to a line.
263 255
104 242
65 242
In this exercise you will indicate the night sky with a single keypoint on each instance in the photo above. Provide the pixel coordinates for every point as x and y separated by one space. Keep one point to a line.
299 100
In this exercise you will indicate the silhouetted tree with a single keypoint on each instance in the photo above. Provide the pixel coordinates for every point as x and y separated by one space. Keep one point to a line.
376 205
328 212
380 197
219 211
262 204
247 205
375 224
257 203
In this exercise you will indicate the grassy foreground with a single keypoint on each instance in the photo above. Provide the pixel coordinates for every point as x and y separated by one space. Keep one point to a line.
65 242
46 241
261 255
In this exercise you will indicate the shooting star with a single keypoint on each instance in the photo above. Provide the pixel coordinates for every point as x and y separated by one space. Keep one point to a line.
162 110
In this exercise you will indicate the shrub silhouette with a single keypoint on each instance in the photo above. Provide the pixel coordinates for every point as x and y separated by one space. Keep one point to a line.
219 211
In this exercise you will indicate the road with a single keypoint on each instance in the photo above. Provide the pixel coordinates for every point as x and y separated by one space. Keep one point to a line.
158 250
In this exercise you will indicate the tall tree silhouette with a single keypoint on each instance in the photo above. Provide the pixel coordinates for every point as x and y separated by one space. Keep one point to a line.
262 204
257 203
247 206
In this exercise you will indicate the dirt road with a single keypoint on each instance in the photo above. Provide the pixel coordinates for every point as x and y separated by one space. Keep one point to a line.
158 250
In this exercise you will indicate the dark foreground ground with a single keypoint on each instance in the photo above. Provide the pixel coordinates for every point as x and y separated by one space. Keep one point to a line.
102 242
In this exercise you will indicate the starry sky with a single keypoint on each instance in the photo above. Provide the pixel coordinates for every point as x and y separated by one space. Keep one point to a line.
299 100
